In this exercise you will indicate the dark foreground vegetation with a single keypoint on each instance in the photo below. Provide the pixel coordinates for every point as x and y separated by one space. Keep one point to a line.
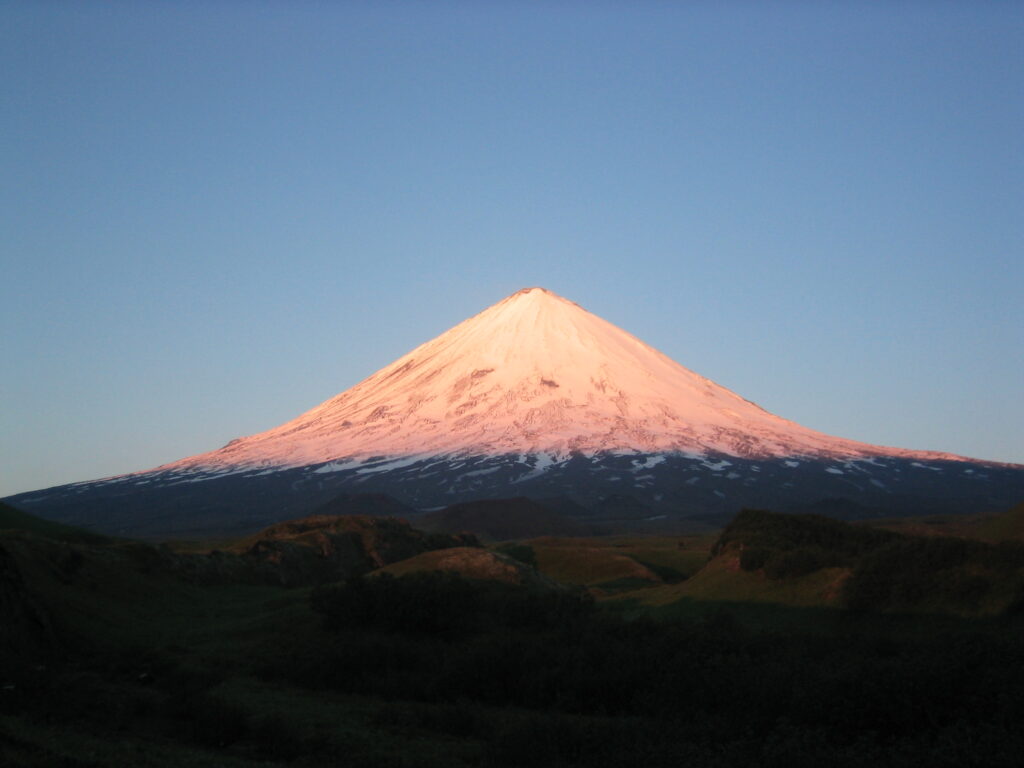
131 665
706 692
888 571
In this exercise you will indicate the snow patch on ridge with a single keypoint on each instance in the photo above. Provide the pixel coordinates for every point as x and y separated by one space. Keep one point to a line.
387 465
648 463
337 466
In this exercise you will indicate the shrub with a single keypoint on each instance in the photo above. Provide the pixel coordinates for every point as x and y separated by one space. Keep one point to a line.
756 528
444 604
796 563
213 722
522 552
753 558
277 737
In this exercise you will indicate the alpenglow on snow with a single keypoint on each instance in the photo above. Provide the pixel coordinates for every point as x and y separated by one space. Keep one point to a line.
534 395
533 373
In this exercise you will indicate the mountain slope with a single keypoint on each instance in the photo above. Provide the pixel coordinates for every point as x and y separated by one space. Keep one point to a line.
534 373
501 520
535 397
15 519
811 560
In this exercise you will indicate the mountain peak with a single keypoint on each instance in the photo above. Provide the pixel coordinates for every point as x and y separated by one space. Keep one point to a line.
541 298
532 396
533 373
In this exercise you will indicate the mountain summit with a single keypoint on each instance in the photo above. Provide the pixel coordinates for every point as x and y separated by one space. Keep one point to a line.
533 373
534 397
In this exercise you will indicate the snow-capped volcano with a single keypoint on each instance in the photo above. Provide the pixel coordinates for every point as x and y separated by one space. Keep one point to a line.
535 397
534 373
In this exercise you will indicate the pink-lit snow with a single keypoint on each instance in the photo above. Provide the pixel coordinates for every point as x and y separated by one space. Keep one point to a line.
534 374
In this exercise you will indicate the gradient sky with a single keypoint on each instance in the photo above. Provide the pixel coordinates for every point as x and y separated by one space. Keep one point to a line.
216 215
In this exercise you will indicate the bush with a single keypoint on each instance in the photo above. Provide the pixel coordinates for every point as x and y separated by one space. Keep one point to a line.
842 542
278 738
522 552
214 722
753 558
795 563
444 604
908 571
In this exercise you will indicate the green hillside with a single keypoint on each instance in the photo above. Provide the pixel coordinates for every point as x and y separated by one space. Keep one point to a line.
807 560
15 519
989 527
611 564
1007 526
471 563
120 653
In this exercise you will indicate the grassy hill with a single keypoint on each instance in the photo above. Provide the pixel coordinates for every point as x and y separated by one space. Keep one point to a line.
1007 526
122 653
15 519
611 564
471 563
808 560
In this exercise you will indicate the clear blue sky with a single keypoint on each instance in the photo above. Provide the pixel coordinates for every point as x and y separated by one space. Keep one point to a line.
215 215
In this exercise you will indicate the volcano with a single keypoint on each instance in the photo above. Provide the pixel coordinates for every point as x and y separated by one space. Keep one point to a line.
533 374
533 396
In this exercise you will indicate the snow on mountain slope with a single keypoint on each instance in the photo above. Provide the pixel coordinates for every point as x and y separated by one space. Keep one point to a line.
533 374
